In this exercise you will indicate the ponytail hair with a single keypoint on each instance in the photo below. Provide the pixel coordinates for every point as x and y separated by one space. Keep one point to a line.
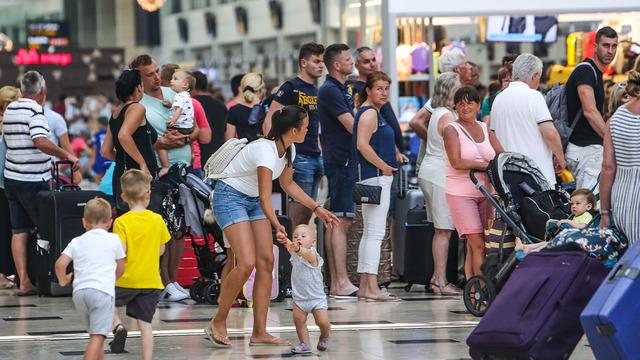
282 121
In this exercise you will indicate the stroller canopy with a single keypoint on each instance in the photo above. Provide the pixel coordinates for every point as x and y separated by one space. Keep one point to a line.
512 174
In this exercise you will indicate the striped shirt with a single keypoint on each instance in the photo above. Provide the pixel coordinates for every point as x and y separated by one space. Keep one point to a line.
23 122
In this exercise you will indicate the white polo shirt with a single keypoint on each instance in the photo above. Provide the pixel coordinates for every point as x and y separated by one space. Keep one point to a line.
516 113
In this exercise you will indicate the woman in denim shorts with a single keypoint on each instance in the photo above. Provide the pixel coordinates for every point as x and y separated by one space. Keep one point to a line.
243 209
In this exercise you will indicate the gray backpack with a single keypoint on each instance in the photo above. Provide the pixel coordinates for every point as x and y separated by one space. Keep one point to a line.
556 99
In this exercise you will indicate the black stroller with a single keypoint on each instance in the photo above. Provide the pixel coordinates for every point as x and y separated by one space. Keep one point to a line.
525 201
194 197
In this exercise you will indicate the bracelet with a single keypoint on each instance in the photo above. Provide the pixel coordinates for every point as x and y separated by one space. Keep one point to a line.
314 209
605 212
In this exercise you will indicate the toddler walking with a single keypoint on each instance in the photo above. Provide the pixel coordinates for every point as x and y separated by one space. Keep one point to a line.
308 288
183 118
98 260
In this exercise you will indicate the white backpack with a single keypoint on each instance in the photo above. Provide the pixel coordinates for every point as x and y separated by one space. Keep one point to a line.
218 162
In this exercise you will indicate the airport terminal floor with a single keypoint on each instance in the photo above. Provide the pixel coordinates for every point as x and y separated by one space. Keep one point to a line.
422 326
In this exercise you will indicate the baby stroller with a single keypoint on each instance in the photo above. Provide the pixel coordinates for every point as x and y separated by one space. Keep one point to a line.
525 201
194 197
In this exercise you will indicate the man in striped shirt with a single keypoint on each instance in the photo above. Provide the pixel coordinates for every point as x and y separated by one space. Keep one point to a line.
28 166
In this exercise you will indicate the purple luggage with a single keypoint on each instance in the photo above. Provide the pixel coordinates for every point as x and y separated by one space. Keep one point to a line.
537 313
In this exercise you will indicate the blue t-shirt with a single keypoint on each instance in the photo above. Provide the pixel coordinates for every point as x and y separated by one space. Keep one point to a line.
387 113
299 92
335 99
382 141
98 138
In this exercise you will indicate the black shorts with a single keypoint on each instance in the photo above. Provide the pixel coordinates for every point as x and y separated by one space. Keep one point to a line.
141 303
23 207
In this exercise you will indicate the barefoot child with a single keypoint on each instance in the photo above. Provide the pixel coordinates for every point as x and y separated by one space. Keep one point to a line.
143 234
98 260
308 288
183 119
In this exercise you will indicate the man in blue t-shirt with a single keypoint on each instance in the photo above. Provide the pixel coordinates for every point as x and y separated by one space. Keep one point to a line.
335 109
302 91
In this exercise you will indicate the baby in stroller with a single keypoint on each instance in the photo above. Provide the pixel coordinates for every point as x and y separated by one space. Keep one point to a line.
583 203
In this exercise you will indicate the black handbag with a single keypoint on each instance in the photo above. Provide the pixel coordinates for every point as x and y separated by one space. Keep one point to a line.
366 194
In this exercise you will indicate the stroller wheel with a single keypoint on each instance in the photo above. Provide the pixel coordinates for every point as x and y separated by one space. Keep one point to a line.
211 292
479 292
196 291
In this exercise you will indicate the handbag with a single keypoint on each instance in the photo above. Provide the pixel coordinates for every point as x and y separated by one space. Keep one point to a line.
362 193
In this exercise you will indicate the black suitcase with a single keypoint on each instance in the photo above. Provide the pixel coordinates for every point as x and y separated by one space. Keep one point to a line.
418 262
284 264
59 220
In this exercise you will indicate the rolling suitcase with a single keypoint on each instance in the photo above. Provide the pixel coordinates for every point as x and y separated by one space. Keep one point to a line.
411 199
418 250
536 315
611 318
60 214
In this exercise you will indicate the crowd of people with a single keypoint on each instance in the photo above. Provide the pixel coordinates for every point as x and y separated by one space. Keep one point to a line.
344 130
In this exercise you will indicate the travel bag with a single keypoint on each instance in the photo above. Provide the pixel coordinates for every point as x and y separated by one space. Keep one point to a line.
536 315
418 250
612 317
60 213
410 200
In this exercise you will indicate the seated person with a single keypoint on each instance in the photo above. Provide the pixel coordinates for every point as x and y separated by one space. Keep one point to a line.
583 201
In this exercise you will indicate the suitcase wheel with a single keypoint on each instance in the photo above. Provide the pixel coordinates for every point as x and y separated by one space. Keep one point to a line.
196 291
211 292
407 287
479 293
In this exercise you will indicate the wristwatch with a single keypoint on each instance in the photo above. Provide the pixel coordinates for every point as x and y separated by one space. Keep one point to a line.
605 212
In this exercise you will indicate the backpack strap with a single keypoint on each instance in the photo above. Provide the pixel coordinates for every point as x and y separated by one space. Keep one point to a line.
574 122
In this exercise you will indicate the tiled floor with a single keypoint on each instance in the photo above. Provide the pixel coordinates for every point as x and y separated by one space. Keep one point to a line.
426 327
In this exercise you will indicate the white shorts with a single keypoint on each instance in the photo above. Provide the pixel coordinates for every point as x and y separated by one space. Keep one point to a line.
436 204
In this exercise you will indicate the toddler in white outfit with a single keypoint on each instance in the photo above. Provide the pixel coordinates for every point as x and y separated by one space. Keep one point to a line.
308 288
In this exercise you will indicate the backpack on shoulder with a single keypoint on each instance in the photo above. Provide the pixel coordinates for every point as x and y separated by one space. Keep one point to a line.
556 99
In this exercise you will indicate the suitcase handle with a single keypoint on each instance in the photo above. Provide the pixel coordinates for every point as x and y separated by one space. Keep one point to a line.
56 174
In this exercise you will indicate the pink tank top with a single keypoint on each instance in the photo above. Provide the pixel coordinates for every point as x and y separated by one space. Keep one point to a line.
458 181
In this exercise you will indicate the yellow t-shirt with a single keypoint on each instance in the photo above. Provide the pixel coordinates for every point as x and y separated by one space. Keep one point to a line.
584 218
142 232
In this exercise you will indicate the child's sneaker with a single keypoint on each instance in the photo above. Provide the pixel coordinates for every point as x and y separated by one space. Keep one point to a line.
323 344
180 288
302 348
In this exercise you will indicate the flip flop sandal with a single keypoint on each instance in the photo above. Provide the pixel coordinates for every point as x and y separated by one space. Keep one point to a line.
119 339
385 298
218 341
272 343
30 292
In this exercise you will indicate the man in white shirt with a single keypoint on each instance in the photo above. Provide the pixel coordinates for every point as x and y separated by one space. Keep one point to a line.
522 122
28 166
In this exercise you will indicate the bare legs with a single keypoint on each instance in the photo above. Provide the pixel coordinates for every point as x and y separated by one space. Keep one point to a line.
475 255
19 251
336 247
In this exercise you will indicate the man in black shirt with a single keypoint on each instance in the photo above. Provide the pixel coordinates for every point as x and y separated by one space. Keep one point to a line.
585 91
302 91
216 113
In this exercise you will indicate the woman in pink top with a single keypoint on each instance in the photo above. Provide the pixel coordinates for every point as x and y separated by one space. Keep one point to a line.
468 146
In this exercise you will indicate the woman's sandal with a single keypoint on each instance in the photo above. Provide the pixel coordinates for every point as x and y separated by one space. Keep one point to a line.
447 289
217 340
384 298
119 339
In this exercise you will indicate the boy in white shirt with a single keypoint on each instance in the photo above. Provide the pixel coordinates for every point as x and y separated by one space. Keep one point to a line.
98 260
183 118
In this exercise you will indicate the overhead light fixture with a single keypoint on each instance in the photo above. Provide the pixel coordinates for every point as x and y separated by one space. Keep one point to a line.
151 5
368 3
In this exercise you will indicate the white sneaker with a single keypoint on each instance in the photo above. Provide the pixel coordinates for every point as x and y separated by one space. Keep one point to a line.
181 289
174 294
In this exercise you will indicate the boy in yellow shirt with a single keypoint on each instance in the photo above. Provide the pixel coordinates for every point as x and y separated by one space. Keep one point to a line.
143 234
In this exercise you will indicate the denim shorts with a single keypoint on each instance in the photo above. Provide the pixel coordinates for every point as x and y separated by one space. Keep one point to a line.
341 180
230 206
23 207
307 172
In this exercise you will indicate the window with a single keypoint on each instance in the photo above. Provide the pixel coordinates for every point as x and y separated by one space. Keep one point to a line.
199 4
183 30
211 24
176 6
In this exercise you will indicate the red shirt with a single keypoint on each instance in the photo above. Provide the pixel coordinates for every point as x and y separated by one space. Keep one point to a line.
202 123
